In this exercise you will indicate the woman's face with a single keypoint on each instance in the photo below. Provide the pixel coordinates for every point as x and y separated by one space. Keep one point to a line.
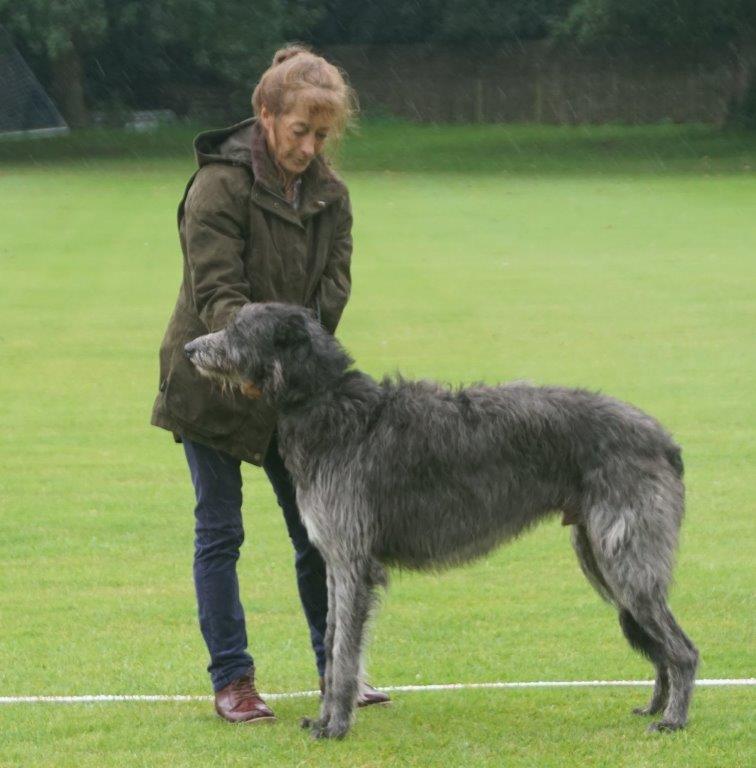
296 137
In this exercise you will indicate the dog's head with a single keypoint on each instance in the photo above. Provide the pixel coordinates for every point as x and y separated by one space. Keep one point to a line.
278 352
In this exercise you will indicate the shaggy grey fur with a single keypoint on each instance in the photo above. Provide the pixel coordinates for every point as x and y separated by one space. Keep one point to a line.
417 475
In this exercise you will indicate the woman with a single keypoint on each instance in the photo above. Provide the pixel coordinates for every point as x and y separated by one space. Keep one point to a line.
264 218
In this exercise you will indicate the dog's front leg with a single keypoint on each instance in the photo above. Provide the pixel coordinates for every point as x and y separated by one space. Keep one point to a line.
318 726
351 606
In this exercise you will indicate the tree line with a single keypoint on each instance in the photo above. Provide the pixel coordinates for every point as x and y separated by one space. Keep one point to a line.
105 54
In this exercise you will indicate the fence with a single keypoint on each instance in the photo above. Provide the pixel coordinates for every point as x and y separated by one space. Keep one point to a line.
535 82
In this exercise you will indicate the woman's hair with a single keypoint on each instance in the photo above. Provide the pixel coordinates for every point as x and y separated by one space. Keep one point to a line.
298 76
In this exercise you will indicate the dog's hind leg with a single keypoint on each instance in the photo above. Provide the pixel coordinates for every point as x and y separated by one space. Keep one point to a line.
681 660
652 650
582 546
353 599
635 634
634 549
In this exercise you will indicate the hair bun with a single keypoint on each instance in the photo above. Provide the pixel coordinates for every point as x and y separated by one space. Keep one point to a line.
298 78
289 52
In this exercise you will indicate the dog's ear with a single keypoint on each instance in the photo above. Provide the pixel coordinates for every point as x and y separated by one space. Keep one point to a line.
291 332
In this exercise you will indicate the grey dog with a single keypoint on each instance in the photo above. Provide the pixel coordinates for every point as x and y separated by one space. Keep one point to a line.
417 475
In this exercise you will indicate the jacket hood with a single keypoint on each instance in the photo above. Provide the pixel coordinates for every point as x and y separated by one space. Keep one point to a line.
244 144
226 145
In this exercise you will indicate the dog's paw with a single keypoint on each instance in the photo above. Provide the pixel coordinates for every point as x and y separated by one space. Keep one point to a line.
335 729
664 726
648 710
318 730
326 729
314 722
319 727
307 722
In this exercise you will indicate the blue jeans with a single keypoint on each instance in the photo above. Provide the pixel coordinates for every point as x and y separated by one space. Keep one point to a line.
219 534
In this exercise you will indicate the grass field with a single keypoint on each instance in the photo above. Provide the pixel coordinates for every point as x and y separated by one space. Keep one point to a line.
611 258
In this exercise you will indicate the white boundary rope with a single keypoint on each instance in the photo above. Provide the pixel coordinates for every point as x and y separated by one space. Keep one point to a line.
105 698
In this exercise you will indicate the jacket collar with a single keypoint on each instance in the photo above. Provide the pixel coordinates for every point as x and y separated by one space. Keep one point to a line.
244 144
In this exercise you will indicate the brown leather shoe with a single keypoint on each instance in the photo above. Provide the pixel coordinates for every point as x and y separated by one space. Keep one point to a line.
367 696
239 702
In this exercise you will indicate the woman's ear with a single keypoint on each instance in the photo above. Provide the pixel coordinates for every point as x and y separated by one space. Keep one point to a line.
267 118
